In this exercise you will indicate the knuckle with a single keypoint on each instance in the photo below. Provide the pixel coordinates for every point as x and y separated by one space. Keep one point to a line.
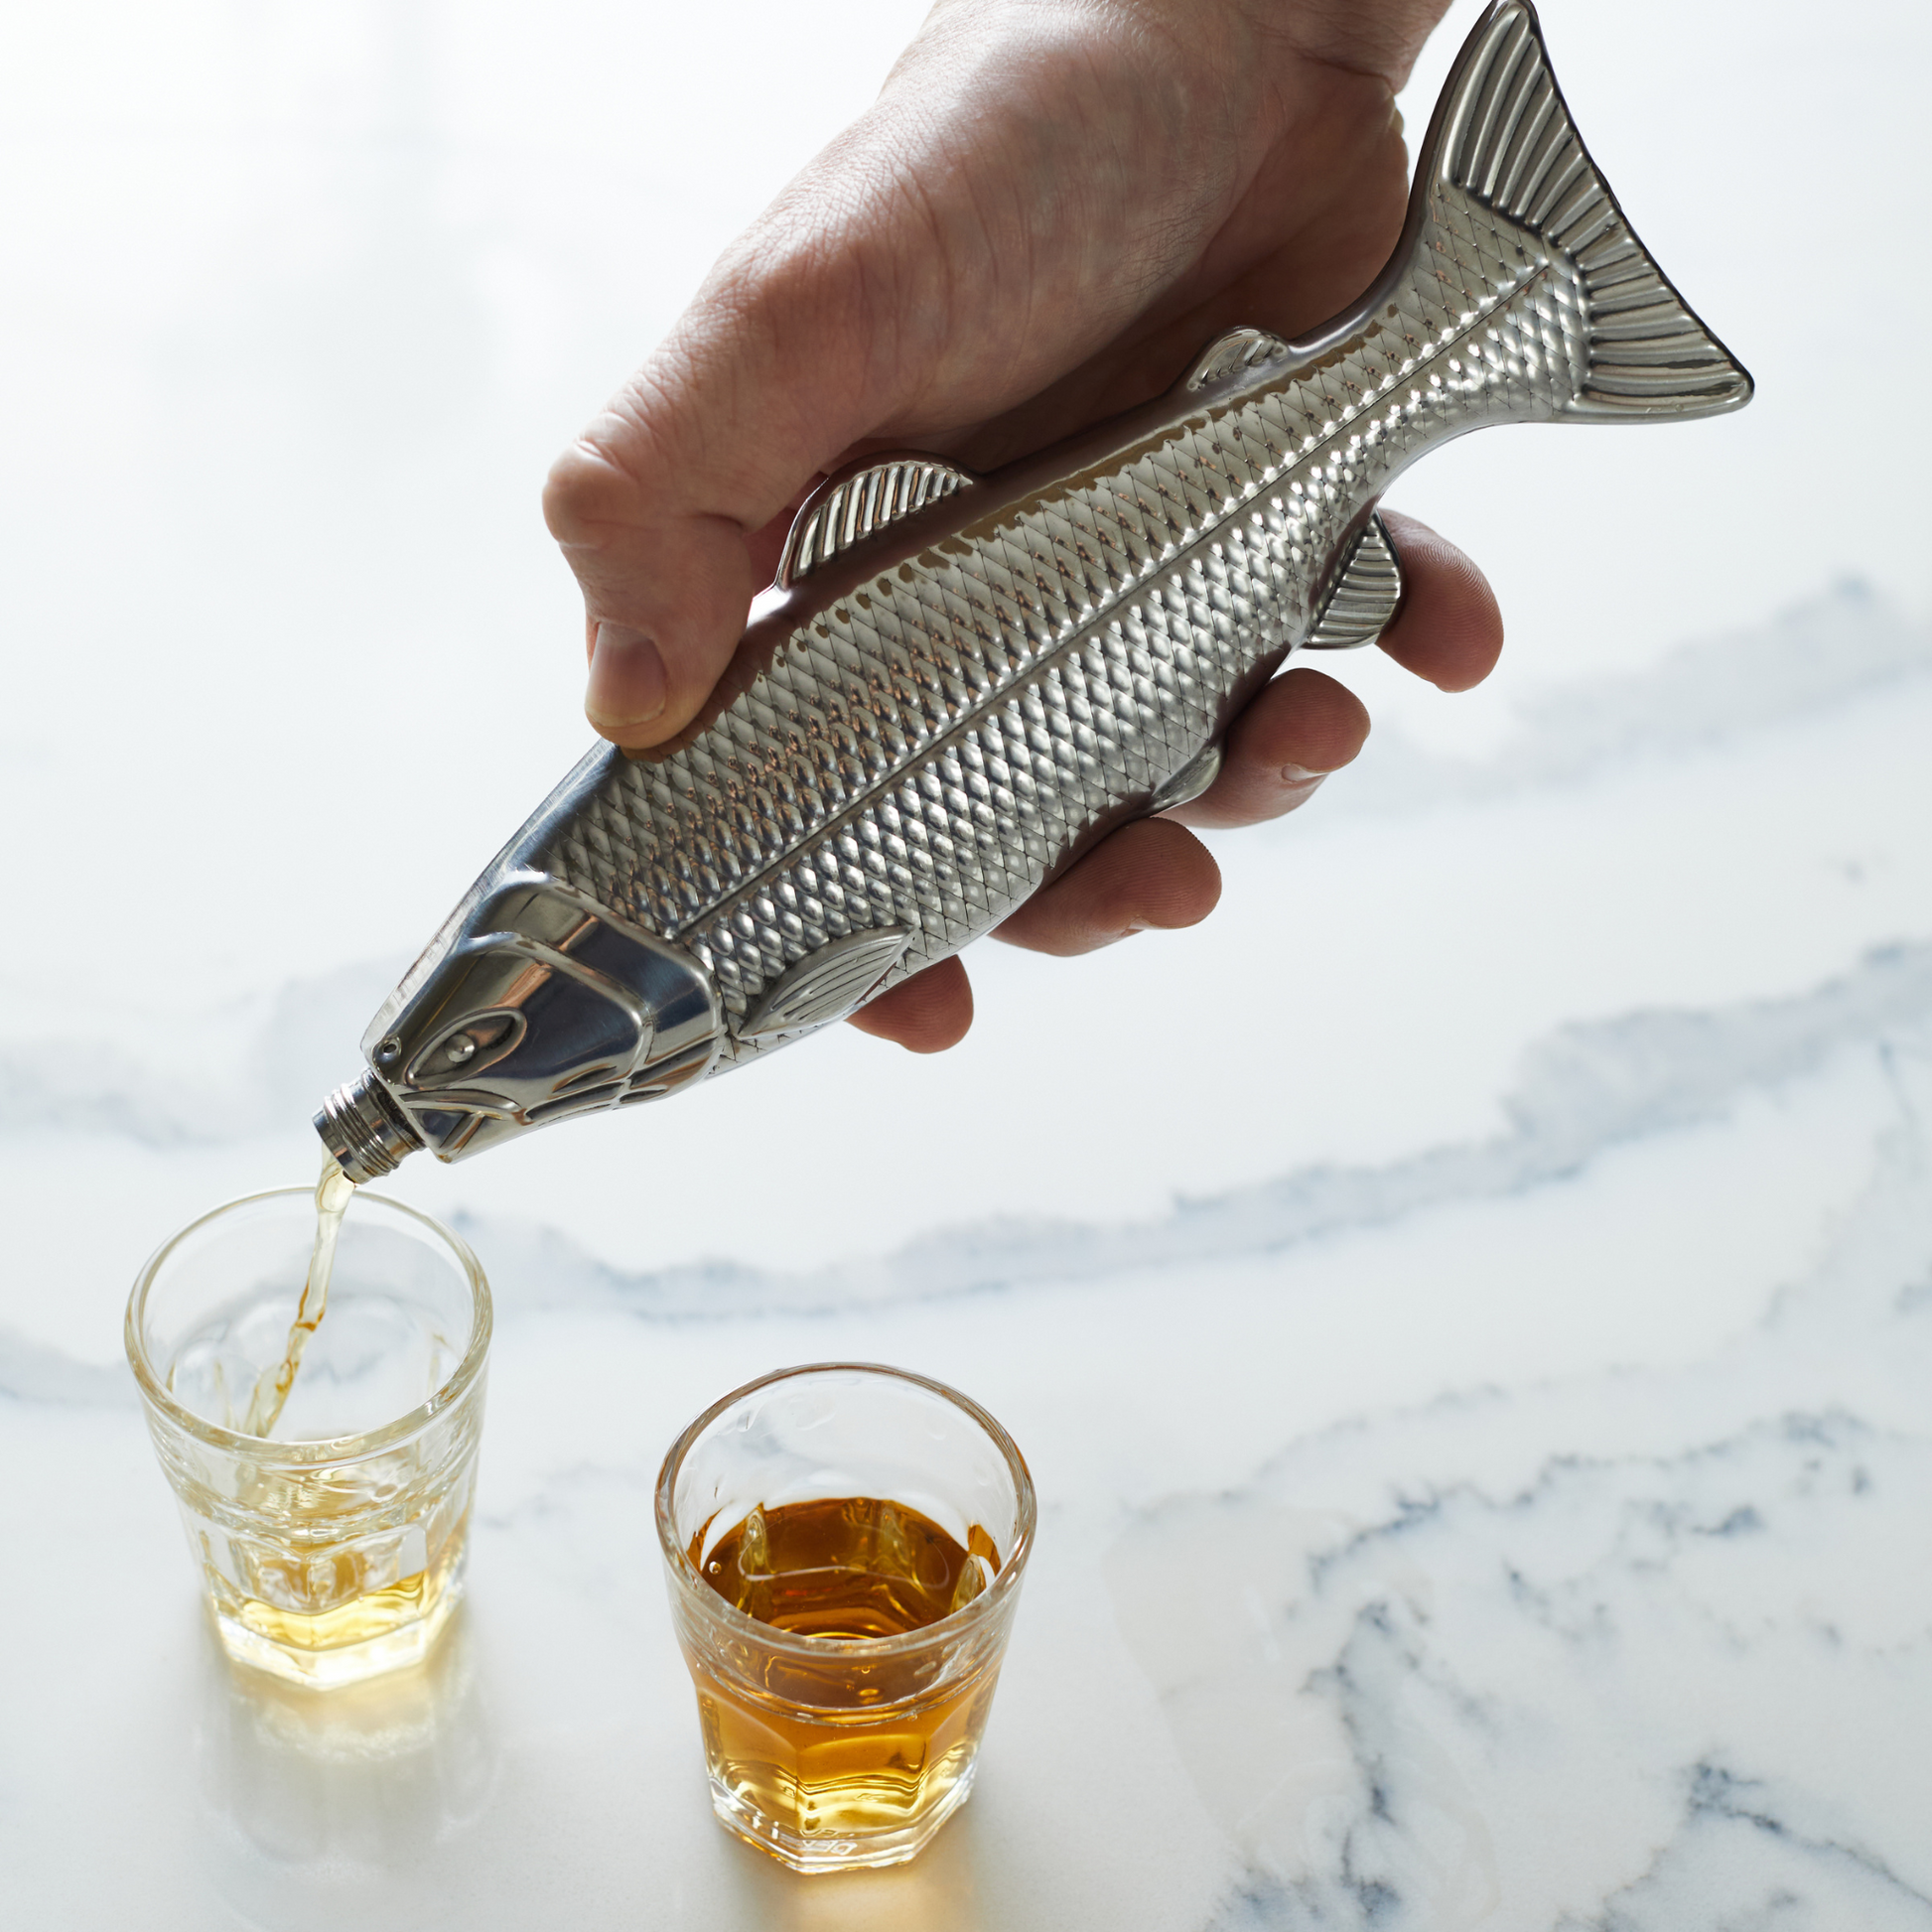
586 494
617 476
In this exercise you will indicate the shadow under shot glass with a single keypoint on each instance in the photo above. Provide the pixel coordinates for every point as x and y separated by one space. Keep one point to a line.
331 1550
844 1546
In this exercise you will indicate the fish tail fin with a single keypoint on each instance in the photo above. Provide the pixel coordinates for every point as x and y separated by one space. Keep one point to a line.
1511 214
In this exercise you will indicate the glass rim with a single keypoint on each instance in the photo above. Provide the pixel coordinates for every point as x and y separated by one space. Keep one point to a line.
318 1449
1005 1579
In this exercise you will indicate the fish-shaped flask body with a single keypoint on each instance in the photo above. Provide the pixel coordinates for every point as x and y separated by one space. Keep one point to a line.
959 683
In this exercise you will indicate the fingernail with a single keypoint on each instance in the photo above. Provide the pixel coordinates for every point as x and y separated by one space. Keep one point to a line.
628 683
1300 774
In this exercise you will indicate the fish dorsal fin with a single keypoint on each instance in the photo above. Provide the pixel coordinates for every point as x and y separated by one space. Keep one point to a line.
1238 349
1363 597
849 508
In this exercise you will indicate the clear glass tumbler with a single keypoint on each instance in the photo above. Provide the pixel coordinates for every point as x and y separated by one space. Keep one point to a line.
333 1550
844 1544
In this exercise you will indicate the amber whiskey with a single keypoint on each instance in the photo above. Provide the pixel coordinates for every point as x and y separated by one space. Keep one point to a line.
338 1616
840 1738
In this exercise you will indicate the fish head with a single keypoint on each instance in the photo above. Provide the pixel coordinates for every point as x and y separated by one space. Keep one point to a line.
538 1005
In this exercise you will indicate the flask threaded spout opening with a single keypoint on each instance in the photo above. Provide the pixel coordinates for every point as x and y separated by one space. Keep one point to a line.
366 1131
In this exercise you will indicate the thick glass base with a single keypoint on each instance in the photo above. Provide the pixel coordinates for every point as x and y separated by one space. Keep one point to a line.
850 1852
327 1667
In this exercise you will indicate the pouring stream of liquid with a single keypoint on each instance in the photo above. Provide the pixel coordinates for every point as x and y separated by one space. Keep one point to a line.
332 1194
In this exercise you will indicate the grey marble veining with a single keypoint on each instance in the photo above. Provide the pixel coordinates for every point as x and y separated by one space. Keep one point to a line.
1526 1530
1635 1650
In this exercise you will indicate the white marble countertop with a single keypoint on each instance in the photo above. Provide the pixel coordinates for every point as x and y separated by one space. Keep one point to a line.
1467 1306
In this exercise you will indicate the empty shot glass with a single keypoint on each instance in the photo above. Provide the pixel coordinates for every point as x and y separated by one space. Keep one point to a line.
331 1550
844 1544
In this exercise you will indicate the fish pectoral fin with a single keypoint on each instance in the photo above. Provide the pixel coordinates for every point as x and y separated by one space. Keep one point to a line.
1363 597
856 504
827 984
1189 781
1229 354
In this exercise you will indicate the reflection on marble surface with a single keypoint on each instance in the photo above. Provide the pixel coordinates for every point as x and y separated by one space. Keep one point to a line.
1476 1388
359 1779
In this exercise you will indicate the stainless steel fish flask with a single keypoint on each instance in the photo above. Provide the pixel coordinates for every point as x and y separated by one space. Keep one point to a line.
958 683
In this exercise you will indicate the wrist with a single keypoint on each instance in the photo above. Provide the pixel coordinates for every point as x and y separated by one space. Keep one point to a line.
1379 39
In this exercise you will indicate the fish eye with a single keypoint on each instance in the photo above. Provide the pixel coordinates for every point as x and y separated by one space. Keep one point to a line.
478 1034
483 1039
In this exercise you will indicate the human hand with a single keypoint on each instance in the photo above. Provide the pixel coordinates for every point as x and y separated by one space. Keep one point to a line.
1051 208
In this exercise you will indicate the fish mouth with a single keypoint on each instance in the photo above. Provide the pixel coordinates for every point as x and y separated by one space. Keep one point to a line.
456 1121
365 1131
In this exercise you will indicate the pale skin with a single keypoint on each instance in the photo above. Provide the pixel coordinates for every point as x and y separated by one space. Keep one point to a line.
1049 210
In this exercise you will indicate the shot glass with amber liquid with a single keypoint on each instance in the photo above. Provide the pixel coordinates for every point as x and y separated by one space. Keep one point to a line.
330 1539
844 1544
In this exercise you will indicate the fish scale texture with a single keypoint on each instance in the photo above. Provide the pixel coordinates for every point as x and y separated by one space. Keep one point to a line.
923 753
